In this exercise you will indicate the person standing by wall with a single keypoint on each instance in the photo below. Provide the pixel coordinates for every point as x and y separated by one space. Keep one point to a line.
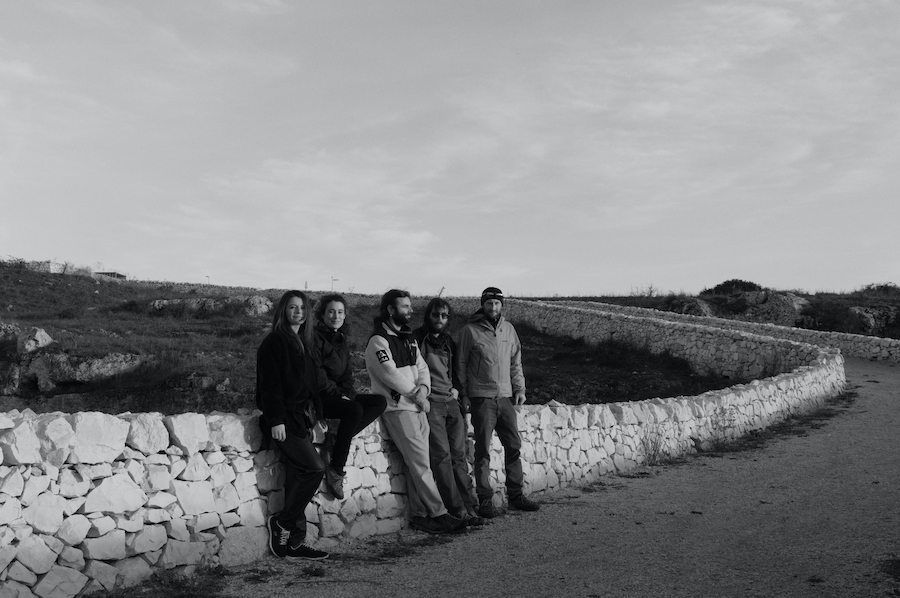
489 366
446 419
287 394
339 398
398 371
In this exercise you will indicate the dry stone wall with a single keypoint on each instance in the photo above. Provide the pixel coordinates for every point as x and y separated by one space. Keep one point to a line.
854 345
92 501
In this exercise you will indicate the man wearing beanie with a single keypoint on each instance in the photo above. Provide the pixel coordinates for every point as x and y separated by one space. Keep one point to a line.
489 366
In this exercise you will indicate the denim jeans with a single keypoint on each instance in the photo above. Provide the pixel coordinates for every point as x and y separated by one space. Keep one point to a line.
489 415
447 445
303 472
409 432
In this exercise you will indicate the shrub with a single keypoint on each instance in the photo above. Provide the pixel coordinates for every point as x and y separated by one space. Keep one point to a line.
830 314
732 287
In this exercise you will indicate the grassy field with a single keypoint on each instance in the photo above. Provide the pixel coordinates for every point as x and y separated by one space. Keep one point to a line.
92 318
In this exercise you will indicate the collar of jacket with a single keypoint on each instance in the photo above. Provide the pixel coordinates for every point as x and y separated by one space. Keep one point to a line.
479 318
403 332
328 331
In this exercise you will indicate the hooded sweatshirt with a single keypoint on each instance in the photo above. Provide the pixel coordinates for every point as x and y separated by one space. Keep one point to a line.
489 358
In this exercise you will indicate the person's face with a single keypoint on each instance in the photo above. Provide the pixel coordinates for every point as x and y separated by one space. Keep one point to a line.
492 308
401 311
439 319
295 312
334 315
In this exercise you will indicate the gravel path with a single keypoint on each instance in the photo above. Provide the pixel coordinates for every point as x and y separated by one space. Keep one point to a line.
815 512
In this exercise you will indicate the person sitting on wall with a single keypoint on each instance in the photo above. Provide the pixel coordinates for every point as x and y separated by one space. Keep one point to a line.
339 399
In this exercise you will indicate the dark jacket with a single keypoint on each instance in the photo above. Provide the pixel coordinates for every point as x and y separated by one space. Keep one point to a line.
440 355
333 351
287 382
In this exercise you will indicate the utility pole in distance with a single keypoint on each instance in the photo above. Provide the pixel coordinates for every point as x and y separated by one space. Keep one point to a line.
334 280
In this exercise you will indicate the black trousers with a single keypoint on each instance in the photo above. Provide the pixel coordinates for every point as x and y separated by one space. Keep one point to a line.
354 416
303 472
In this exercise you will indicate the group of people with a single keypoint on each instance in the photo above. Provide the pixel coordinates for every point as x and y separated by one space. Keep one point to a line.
423 384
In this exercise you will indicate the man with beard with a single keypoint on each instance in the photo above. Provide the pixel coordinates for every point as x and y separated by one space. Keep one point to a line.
398 371
447 439
489 367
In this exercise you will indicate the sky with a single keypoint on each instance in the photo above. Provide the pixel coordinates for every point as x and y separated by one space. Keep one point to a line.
546 148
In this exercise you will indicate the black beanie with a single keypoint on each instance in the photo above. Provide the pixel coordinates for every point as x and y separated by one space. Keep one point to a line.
491 293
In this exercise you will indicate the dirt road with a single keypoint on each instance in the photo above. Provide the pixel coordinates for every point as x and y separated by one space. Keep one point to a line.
815 512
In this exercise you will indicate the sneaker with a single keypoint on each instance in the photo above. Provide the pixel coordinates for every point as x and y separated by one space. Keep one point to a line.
334 482
304 551
278 537
487 509
523 503
442 524
474 520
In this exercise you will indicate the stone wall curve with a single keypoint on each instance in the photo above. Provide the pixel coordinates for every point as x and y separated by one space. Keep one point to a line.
92 500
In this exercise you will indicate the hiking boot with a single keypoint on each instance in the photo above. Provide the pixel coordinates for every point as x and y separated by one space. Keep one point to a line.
278 537
305 551
474 520
442 524
334 482
487 509
522 503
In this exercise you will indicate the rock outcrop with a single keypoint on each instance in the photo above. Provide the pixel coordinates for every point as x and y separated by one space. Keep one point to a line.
252 305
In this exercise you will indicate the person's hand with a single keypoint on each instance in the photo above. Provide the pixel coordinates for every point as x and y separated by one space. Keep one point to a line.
519 397
466 404
421 394
279 433
425 406
454 394
346 398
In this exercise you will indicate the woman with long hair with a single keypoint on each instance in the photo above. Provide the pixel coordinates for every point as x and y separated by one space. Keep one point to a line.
339 399
287 393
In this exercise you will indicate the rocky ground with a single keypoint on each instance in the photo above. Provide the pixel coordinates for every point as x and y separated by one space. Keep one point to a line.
809 512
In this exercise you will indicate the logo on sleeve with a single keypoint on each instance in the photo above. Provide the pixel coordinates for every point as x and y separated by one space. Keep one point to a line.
382 356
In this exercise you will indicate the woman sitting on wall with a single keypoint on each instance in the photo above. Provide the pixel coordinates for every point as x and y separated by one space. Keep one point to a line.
287 393
339 399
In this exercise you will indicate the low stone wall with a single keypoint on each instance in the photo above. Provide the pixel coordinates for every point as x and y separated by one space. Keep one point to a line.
854 345
91 500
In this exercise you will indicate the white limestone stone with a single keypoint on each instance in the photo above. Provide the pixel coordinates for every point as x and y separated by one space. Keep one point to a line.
270 478
105 548
148 433
194 497
74 529
19 572
230 519
252 513
99 437
60 582
243 545
214 457
116 494
221 474
101 526
13 484
7 554
161 500
197 470
56 436
203 522
71 484
34 486
178 465
389 505
34 554
151 538
157 477
29 341
177 530
132 523
45 513
20 444
156 515
72 558
239 432
362 527
226 498
188 431
14 589
94 472
73 505
177 553
241 464
103 573
330 525
132 571
245 483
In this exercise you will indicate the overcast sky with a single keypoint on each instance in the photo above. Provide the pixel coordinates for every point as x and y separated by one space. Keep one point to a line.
587 147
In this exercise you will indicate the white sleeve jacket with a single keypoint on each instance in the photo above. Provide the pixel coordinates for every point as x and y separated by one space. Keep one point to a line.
396 367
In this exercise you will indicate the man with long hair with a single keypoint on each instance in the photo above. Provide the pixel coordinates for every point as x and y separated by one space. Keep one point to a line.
398 371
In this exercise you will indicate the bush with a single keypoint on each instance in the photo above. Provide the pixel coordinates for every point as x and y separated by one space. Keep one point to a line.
732 287
832 315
